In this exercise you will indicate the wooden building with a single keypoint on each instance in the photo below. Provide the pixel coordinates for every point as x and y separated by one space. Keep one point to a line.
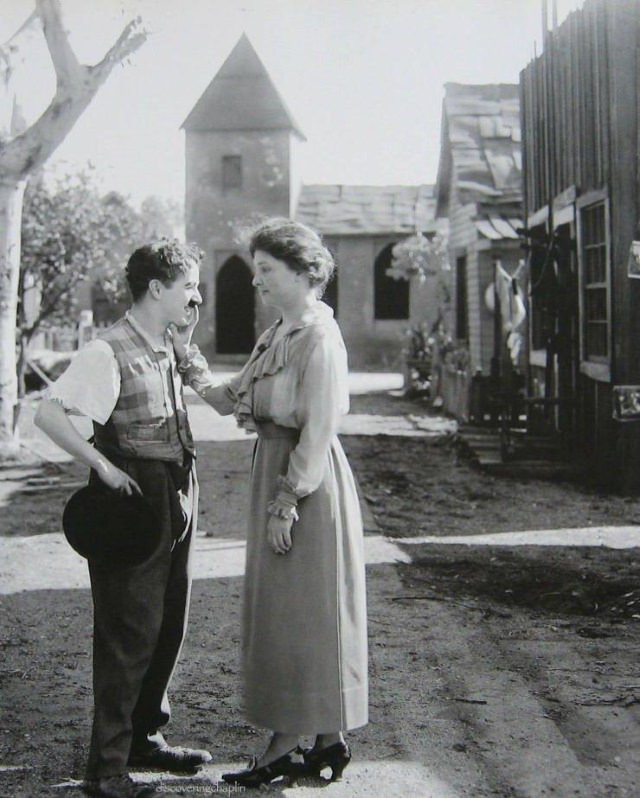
479 189
241 146
580 113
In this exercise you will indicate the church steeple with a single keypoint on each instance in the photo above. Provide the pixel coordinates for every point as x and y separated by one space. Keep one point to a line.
241 96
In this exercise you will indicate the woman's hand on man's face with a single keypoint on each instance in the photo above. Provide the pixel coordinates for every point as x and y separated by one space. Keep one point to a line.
182 335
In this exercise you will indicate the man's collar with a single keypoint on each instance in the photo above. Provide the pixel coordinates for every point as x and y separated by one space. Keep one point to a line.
144 334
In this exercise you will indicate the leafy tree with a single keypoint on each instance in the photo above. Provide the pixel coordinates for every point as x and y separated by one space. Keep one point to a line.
158 218
419 256
161 217
72 233
423 258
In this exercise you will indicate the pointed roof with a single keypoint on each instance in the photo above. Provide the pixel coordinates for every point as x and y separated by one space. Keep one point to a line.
241 96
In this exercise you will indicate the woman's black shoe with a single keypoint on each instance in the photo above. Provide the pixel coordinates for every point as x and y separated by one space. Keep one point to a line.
336 757
255 776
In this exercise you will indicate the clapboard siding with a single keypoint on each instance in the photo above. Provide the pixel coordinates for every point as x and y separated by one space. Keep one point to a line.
579 112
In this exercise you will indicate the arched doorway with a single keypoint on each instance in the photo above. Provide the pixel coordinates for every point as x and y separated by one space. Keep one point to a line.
235 308
391 297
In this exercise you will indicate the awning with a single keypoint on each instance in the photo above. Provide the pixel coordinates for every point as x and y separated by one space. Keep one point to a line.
497 228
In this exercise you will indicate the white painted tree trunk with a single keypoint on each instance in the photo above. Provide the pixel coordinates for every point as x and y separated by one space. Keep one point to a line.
22 151
11 194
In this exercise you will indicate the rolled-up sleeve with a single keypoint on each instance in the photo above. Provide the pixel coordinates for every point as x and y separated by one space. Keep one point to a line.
322 401
90 386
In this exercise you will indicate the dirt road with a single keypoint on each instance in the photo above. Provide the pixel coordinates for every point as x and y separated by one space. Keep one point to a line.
495 670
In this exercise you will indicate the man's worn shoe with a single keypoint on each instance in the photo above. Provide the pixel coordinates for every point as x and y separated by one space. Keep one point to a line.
121 786
173 758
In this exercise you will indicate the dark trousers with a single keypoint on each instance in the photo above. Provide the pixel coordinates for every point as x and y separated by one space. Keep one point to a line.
140 616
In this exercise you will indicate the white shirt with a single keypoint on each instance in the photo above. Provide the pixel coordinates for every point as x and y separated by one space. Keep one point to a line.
91 384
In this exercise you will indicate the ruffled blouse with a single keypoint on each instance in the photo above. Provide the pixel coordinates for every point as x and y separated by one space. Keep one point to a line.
299 381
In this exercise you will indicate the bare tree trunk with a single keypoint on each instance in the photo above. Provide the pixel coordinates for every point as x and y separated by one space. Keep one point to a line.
11 195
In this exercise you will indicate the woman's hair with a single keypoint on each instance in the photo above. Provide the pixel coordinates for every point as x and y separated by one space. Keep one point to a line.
163 260
298 246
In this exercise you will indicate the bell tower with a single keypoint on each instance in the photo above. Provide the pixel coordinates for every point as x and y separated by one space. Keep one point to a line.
240 143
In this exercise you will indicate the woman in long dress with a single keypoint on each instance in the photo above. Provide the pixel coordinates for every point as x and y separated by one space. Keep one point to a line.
304 615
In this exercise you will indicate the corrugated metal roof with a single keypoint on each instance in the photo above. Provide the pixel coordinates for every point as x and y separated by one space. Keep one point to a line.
241 96
339 209
481 145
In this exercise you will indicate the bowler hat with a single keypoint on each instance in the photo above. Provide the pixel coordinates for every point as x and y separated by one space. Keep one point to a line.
111 528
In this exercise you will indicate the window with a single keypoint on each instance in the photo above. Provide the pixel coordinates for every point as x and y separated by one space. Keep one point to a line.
232 171
462 312
594 266
543 290
391 297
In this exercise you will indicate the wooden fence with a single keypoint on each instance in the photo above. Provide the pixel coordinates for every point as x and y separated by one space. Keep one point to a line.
455 391
65 337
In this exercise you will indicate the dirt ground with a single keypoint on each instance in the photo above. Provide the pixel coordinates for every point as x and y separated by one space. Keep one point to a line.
502 671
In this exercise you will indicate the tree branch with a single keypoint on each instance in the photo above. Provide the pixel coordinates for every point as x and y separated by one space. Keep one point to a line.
65 63
131 38
77 86
51 303
33 17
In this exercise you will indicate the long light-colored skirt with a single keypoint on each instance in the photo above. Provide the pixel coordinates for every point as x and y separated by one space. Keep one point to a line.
304 619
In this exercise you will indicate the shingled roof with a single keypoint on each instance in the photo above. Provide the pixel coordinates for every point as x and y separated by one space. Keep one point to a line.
241 96
339 210
480 152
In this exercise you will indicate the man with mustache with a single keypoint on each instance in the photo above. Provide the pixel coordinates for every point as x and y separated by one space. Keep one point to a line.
127 382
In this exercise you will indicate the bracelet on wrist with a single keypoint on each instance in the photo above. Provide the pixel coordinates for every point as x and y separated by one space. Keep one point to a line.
191 354
286 490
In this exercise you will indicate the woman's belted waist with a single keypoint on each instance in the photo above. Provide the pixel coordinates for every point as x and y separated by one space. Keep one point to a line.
267 429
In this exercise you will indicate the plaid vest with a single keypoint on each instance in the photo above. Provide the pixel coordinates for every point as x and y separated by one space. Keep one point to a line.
149 420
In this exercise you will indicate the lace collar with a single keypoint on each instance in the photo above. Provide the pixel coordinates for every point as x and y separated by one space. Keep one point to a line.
269 358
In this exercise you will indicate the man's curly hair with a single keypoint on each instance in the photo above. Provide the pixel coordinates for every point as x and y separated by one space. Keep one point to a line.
161 260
